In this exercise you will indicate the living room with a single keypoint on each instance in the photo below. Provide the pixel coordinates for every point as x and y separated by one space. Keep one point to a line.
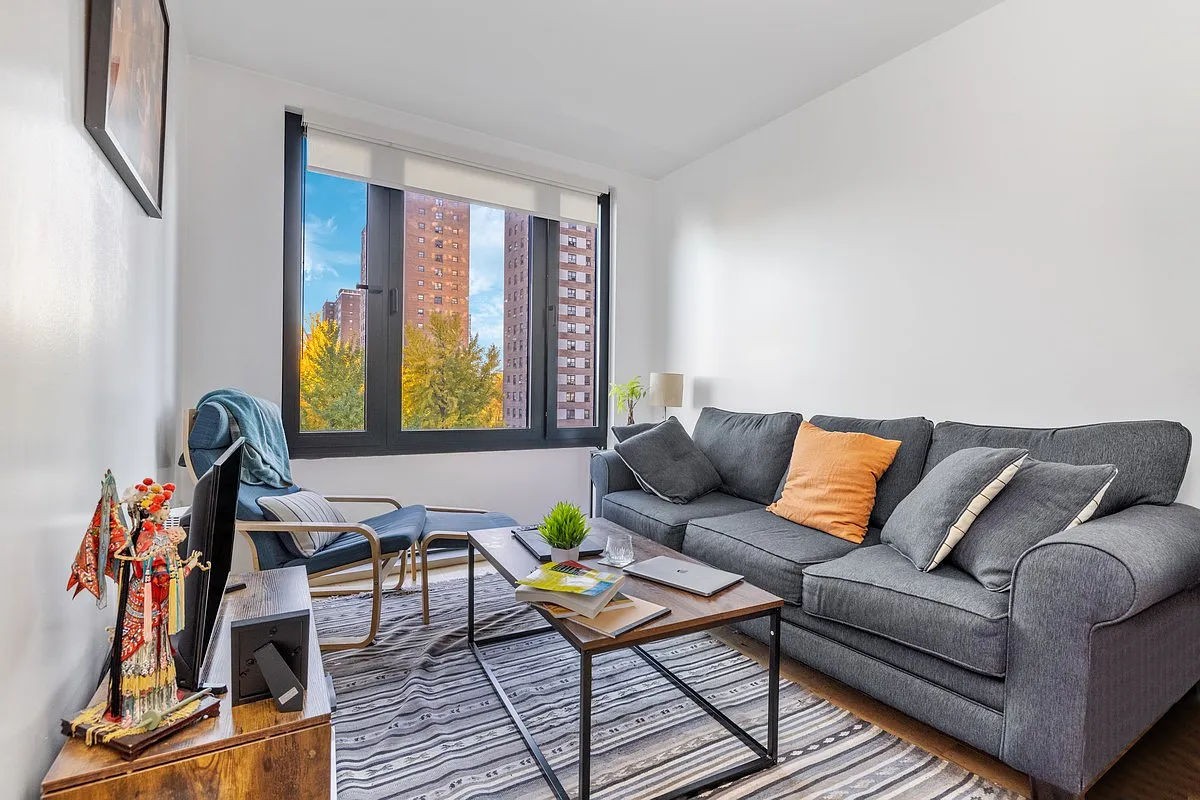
964 227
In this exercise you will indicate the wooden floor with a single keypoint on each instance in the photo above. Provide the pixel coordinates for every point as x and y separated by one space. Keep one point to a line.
1163 765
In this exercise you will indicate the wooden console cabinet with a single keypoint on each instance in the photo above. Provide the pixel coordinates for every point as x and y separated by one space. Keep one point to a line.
253 750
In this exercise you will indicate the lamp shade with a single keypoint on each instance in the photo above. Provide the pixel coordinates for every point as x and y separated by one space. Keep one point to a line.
666 389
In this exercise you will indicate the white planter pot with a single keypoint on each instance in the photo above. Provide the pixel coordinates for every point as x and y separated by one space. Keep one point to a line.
558 556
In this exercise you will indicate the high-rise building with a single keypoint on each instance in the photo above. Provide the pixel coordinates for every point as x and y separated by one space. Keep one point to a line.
516 320
575 389
576 374
437 258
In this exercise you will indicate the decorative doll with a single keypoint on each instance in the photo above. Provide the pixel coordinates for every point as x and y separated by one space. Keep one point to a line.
144 560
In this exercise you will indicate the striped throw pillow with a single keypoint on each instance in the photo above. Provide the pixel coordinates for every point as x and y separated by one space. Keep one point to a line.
302 506
937 514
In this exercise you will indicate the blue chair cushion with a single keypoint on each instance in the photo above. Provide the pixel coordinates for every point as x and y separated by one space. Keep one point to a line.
462 522
397 531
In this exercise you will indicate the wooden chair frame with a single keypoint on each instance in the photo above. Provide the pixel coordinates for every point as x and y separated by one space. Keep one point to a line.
379 566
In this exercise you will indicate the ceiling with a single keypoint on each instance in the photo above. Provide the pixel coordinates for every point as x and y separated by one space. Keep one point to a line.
640 85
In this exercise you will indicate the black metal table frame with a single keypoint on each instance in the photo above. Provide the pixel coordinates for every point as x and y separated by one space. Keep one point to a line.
764 756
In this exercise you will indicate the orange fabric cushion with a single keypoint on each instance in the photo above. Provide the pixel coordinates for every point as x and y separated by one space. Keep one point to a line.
831 480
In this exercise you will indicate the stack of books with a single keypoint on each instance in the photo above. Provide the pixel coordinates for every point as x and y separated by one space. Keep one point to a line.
589 597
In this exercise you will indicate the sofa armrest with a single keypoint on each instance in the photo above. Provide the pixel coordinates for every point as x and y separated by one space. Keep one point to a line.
610 474
1103 639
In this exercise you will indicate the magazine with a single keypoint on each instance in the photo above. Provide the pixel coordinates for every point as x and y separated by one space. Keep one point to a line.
571 577
589 605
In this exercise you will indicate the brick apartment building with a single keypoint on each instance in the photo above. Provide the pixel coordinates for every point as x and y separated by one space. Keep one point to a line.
575 388
437 259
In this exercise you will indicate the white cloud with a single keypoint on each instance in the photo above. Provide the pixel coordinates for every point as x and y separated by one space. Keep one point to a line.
487 319
321 260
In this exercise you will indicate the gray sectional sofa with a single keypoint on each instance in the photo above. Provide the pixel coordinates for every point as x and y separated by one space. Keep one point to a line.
1098 636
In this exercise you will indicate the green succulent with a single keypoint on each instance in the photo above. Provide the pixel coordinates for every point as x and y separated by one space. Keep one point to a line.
565 527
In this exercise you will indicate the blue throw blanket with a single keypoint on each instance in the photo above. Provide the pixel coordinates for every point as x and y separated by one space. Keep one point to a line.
265 459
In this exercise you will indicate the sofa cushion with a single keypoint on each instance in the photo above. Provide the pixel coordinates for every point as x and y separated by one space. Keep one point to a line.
668 463
945 613
750 451
623 432
397 530
1042 499
986 689
666 522
904 474
1151 456
770 551
938 513
460 522
831 480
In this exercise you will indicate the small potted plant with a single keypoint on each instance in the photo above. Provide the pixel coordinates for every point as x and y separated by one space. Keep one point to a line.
564 529
628 394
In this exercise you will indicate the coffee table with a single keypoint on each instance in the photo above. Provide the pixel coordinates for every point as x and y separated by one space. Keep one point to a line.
689 613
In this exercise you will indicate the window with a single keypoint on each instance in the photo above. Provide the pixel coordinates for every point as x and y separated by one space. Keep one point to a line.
477 364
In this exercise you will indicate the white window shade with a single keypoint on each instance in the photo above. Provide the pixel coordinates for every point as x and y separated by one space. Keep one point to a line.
385 164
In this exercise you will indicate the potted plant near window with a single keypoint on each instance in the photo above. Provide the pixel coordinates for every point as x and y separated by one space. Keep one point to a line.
628 394
564 529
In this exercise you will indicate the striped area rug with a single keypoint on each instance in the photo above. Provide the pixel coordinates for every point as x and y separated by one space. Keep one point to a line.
417 720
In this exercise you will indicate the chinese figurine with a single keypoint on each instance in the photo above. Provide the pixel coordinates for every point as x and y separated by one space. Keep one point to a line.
143 559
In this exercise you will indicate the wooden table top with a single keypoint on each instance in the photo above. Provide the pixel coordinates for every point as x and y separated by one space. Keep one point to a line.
689 612
265 592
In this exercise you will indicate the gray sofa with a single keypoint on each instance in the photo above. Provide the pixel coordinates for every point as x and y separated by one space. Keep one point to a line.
1097 638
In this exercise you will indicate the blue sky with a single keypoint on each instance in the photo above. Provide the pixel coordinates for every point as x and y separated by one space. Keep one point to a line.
335 213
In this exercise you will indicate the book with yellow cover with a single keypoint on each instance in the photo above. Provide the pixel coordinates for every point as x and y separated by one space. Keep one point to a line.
571 577
616 621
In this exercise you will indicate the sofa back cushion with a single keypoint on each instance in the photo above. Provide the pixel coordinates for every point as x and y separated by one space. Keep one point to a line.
750 451
904 474
1150 456
668 463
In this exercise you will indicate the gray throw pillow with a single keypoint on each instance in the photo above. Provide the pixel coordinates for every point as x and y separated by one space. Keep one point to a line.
1042 499
623 432
749 451
302 507
935 516
668 463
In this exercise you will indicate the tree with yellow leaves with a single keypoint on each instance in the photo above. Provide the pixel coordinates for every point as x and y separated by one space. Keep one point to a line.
449 381
332 381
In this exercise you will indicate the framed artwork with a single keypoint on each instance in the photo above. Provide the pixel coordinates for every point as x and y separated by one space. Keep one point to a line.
126 94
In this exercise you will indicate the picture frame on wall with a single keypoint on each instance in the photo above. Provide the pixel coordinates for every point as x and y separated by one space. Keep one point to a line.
126 92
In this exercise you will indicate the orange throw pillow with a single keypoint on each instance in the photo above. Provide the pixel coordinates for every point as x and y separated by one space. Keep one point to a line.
831 480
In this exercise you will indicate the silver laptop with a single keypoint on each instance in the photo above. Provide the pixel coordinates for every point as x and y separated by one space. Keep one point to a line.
689 576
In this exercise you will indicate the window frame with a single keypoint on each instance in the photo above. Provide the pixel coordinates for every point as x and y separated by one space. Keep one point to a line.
384 302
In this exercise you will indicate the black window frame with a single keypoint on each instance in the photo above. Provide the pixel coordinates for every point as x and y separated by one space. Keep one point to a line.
385 301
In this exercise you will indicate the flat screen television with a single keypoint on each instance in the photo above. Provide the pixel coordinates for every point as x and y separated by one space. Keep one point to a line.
211 531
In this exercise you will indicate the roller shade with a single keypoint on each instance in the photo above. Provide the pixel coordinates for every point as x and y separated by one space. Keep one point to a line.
387 164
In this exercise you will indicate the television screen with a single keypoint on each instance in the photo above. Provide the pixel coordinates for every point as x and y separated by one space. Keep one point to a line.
211 531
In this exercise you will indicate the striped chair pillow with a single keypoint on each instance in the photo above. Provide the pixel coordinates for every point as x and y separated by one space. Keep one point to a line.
302 506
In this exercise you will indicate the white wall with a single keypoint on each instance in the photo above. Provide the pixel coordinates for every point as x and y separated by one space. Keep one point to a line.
231 286
998 226
88 358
